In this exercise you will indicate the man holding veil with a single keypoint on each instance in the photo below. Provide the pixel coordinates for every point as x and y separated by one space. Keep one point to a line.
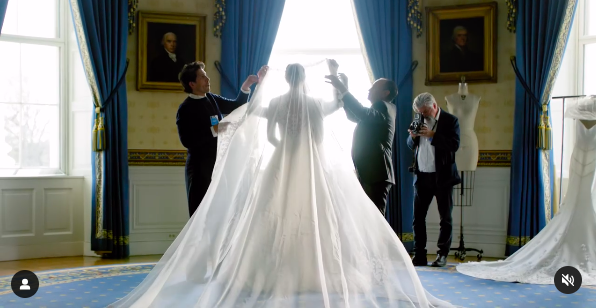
373 136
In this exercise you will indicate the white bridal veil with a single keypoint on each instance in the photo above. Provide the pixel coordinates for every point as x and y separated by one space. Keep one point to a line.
582 109
285 222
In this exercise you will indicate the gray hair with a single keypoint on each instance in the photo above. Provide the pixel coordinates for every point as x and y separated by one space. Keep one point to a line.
457 29
163 38
423 99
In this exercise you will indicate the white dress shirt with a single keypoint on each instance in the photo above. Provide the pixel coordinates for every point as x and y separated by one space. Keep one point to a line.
171 55
426 151
194 96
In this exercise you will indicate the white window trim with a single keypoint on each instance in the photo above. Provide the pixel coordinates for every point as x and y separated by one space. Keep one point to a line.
577 40
581 42
316 51
61 41
64 82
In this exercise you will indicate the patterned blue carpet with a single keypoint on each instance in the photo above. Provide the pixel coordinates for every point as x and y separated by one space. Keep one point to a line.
101 285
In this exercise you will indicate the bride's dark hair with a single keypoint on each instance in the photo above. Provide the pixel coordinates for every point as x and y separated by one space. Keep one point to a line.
295 74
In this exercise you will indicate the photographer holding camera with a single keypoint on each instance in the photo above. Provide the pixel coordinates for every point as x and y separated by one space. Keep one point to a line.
434 136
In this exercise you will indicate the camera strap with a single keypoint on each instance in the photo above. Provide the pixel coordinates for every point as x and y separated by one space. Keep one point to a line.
433 129
435 125
430 139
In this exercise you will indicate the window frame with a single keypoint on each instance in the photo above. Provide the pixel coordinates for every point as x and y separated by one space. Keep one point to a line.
577 40
60 41
582 41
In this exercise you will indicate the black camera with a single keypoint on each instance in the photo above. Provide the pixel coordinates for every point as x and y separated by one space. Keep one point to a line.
415 128
417 124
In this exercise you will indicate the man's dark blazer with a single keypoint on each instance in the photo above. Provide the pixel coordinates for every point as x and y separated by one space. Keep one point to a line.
194 121
446 143
461 60
163 69
373 139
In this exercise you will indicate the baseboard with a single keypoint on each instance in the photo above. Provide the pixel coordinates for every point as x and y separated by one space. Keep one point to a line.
149 248
47 250
87 252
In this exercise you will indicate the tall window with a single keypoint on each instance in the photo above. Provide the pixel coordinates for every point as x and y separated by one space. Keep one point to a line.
587 46
312 30
577 76
32 66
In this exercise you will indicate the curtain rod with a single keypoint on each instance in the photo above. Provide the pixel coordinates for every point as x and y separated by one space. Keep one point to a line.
571 96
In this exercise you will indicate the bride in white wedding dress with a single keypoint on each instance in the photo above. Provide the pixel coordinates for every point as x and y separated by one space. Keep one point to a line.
569 239
285 222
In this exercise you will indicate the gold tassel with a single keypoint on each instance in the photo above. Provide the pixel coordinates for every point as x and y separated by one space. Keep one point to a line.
548 136
94 136
101 136
540 135
545 139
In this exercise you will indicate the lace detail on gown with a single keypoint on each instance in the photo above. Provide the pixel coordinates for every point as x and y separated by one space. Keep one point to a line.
224 137
568 240
226 129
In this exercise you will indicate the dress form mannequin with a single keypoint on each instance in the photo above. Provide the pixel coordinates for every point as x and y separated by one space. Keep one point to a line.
464 106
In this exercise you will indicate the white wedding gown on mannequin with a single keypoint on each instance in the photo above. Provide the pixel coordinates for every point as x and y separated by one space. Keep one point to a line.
285 222
569 239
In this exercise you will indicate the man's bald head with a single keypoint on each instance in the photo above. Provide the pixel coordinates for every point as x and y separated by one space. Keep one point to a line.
382 89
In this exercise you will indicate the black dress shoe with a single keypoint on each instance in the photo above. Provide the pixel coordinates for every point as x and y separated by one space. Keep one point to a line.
420 261
440 261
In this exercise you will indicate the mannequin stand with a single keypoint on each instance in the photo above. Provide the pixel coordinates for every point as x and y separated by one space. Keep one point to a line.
466 189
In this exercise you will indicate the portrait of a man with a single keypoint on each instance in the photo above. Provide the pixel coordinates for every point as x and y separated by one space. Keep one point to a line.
462 49
167 64
166 43
169 47
461 42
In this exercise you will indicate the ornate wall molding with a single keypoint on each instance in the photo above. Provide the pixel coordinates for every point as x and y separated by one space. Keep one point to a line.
487 158
132 14
494 158
156 157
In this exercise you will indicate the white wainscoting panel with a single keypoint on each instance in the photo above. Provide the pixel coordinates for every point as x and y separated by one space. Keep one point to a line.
159 211
41 217
485 222
58 212
158 208
17 211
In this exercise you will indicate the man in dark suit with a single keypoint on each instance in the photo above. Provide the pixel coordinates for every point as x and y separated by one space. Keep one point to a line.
167 65
373 136
197 120
435 174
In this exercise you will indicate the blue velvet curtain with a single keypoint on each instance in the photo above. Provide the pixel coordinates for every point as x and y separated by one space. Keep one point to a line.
541 35
247 40
3 6
388 40
102 33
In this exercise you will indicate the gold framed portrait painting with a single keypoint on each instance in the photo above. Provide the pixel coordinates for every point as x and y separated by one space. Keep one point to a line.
166 42
461 41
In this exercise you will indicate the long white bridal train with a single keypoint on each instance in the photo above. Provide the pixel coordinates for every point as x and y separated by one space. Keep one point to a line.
285 222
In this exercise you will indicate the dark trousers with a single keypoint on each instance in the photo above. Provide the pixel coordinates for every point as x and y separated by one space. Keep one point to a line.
377 192
196 188
424 190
